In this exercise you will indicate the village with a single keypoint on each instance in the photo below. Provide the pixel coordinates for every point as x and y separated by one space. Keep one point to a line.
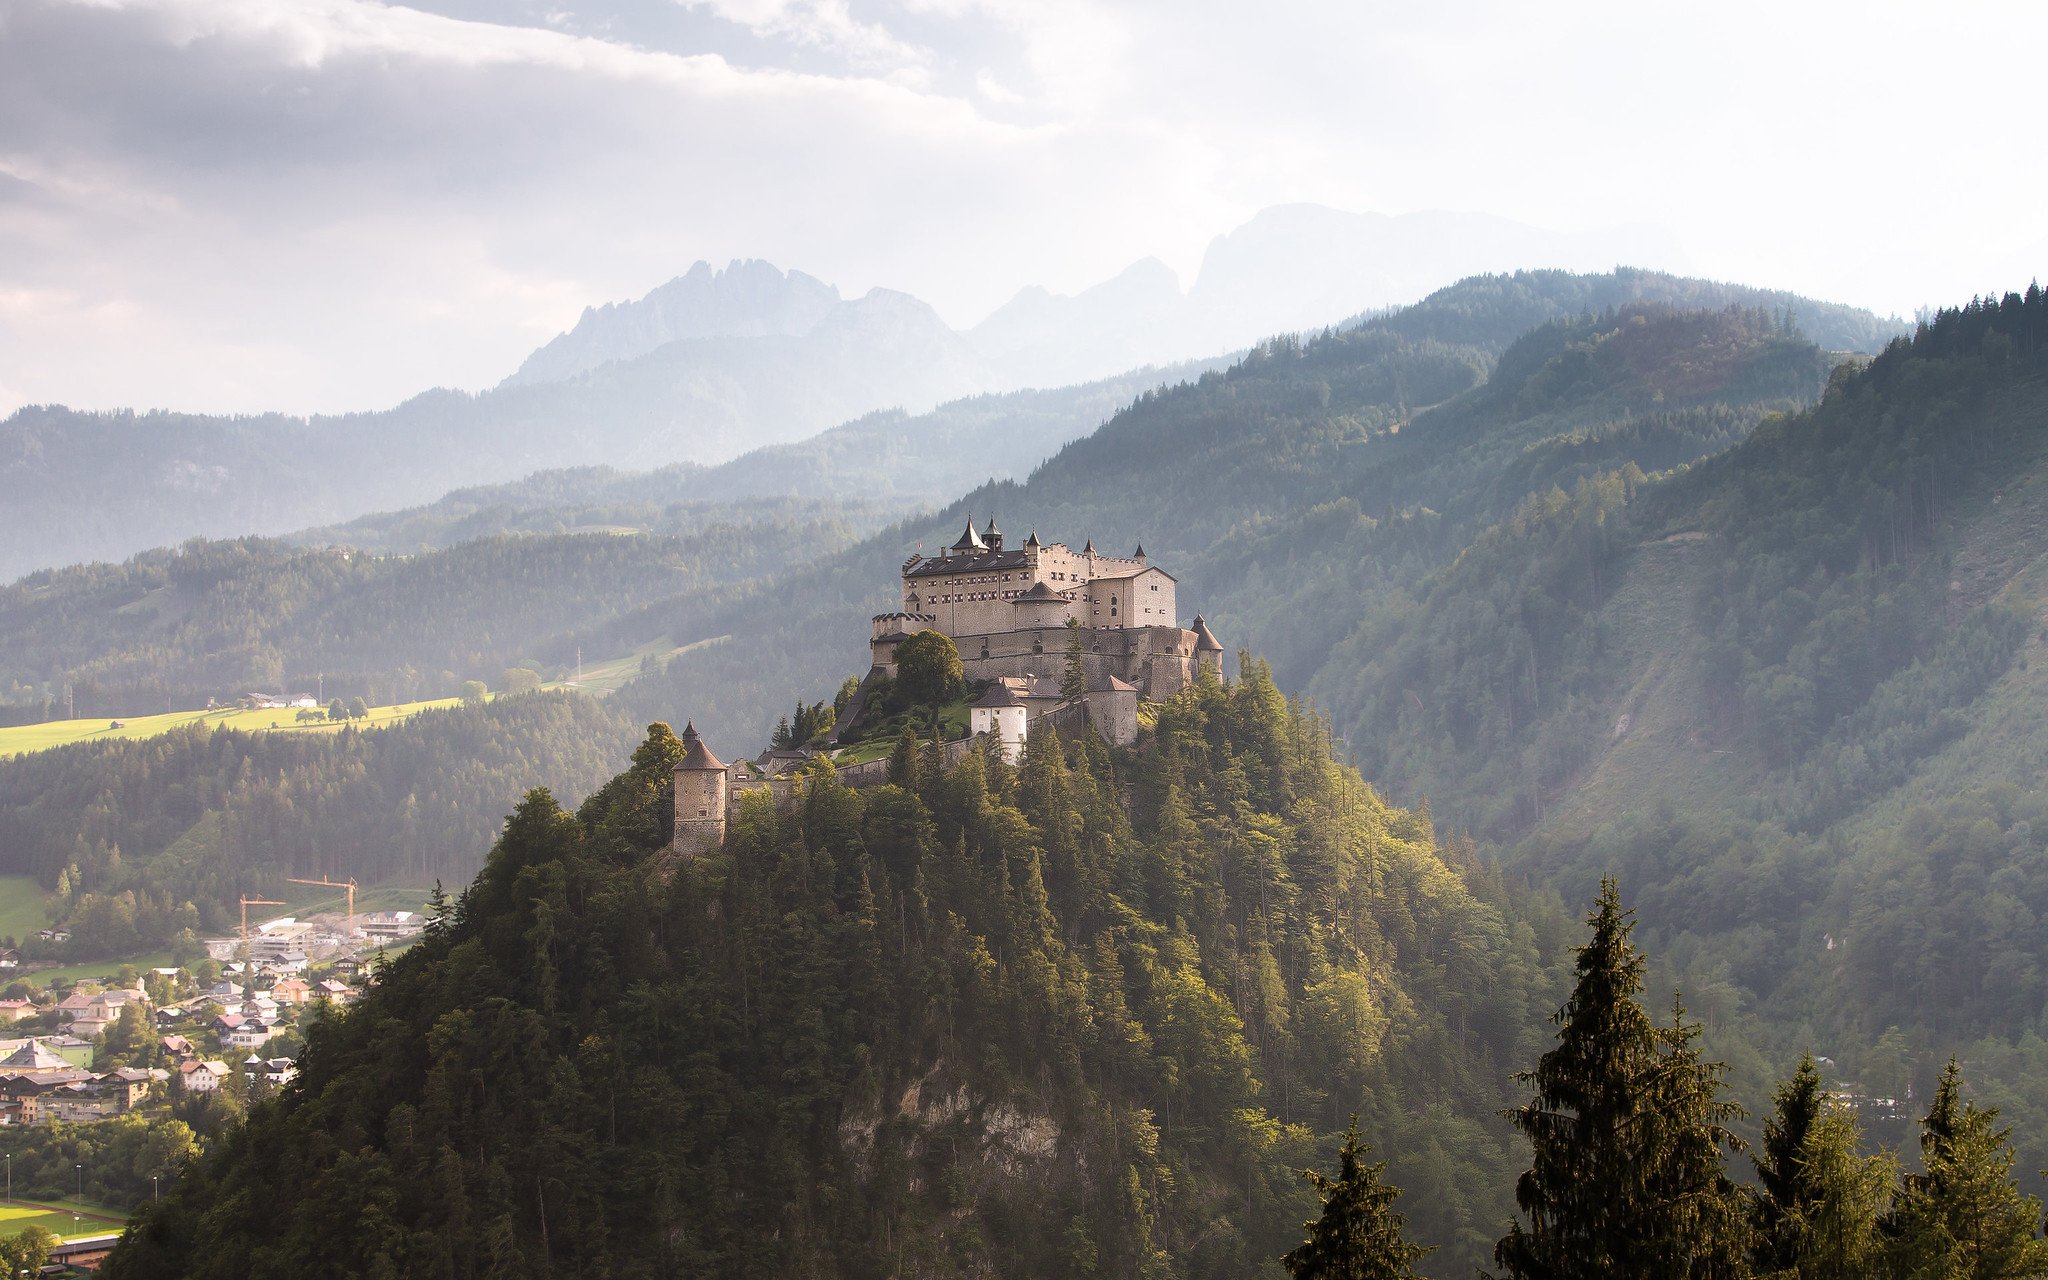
86 1050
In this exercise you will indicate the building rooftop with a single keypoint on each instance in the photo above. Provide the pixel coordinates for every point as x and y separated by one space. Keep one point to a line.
976 561
697 757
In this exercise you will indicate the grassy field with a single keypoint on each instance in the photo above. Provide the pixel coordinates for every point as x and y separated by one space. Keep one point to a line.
21 906
56 1217
17 739
92 970
608 675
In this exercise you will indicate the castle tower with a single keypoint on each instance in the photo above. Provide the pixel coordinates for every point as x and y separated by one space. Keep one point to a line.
1208 650
700 798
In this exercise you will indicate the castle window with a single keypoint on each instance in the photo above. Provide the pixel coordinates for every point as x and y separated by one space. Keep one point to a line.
703 813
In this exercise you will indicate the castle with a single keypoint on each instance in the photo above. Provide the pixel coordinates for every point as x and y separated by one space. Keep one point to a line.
1012 614
1007 612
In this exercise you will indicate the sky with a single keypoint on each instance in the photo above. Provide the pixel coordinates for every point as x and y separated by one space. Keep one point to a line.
326 205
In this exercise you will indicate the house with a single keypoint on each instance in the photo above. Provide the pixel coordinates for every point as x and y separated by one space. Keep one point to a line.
10 958
109 1003
291 991
251 1033
128 1086
201 1077
338 992
177 1048
280 1070
31 1076
54 935
79 1102
16 1010
88 1026
70 1048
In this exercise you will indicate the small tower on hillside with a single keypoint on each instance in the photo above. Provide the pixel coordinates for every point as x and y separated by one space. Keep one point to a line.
700 798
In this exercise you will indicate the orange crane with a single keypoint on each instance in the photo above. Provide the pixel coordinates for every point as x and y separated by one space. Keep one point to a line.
349 885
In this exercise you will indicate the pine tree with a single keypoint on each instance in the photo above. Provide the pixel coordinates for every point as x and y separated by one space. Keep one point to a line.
1626 1136
1702 1215
1783 1191
1964 1218
904 762
1074 677
1831 1232
1358 1236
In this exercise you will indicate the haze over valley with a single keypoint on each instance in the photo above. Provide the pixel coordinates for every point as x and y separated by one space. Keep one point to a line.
958 640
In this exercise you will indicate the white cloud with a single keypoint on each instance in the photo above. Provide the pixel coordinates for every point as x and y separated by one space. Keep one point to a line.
317 204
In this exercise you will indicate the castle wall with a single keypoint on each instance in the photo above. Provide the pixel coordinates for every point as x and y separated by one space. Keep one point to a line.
1114 713
1144 598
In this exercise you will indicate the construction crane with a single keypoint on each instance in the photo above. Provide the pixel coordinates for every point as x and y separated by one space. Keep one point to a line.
248 970
349 885
248 902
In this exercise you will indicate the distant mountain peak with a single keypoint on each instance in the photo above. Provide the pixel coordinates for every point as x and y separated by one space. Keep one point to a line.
749 298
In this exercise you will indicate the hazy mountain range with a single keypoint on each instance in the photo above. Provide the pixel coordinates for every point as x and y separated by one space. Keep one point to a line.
714 364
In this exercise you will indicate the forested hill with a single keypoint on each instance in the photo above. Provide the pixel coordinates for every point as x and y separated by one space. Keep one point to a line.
1791 696
1289 494
217 620
1085 1017
904 461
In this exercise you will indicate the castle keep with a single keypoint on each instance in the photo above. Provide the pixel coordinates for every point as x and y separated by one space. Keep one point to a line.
1007 610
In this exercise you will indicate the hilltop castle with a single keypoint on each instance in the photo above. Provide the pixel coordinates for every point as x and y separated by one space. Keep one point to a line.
1012 613
1007 611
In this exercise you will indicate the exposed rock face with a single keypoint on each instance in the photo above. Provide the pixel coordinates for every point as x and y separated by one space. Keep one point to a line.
750 299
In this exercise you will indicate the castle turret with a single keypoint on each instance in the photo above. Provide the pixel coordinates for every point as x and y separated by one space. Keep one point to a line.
970 540
1208 650
992 536
700 798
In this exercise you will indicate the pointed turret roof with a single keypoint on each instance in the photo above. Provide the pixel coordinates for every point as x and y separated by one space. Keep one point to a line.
970 540
1031 539
697 757
999 695
991 531
1089 550
1204 638
1140 554
1039 591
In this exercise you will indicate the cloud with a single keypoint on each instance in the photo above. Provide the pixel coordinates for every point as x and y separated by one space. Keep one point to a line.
322 204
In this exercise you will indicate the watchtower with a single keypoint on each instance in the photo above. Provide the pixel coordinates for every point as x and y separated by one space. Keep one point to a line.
700 798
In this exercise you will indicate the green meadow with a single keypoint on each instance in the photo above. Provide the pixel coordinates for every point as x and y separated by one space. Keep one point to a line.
19 739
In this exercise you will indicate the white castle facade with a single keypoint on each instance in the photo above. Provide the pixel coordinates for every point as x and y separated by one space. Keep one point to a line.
1007 610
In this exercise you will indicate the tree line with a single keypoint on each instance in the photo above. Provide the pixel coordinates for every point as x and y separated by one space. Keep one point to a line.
1629 1131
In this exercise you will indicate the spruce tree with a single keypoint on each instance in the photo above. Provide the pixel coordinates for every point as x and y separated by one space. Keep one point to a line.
1830 1232
1783 1191
1074 676
1963 1217
1358 1236
1703 1217
1626 1136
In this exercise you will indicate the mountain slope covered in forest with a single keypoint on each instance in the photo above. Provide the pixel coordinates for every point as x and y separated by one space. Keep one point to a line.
1314 478
1084 1016
1791 695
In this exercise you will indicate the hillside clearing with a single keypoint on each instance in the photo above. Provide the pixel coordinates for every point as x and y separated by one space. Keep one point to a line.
21 739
